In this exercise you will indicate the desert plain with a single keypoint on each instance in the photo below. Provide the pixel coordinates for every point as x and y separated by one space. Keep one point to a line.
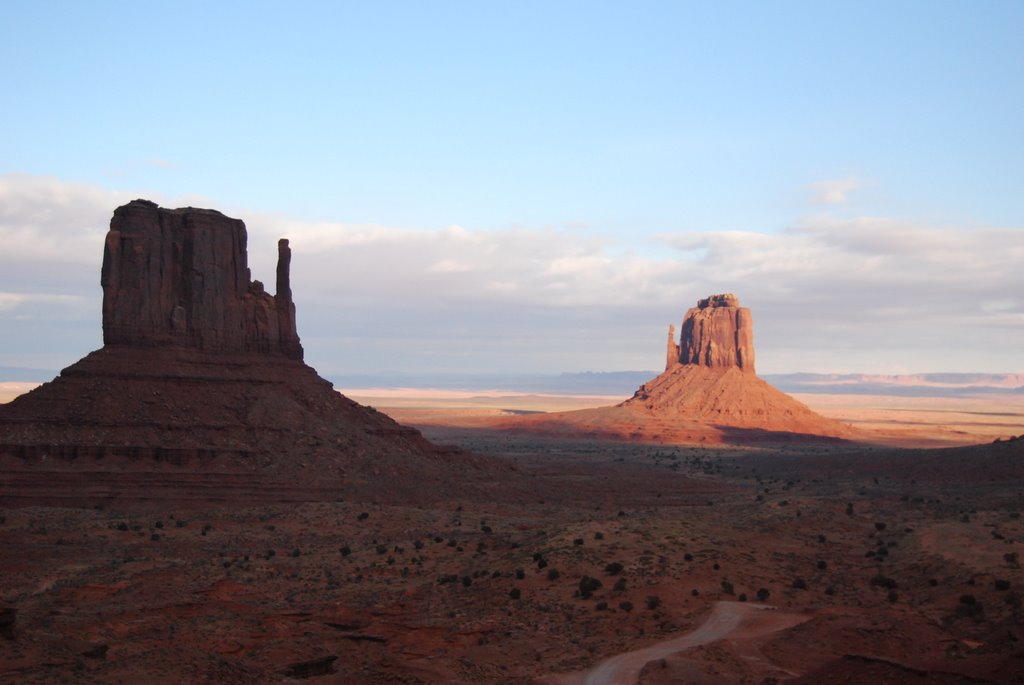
594 561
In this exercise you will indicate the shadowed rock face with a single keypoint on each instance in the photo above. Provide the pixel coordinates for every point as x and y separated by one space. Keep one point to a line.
180 277
717 333
200 392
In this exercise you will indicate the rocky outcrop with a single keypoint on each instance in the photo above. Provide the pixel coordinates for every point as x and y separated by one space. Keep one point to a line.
717 333
200 392
181 277
709 378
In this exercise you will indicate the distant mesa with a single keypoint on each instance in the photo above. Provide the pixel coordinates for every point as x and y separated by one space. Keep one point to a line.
708 393
200 392
709 376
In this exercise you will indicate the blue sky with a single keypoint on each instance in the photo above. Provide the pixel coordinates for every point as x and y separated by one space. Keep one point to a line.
634 144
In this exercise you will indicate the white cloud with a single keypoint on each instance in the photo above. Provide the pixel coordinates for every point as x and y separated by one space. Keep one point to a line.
834 192
828 294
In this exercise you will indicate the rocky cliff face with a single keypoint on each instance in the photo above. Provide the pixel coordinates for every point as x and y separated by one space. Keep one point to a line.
180 277
717 333
200 392
709 381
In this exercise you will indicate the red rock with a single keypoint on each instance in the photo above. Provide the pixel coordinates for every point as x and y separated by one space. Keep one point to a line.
181 277
718 333
200 392
708 392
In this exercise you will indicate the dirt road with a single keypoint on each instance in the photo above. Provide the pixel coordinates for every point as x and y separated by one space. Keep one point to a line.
727 618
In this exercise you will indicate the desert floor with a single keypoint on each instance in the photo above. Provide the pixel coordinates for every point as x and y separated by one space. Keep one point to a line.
629 563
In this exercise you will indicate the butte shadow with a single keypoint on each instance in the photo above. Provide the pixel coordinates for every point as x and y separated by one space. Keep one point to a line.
709 393
200 392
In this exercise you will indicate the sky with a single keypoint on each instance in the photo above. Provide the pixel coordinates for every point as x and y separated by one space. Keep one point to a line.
537 187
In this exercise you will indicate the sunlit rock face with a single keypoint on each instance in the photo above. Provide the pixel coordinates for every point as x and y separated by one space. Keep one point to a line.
717 333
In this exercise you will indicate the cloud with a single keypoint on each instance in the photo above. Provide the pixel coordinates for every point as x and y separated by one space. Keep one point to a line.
834 192
828 294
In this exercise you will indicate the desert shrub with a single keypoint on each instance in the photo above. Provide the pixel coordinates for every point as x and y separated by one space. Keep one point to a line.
577 541
830 590
601 606
520 574
515 593
1013 559
270 554
822 565
626 605
158 524
296 552
180 523
970 607
154 536
599 535
1002 585
933 582
418 544
727 587
884 581
345 551
620 585
381 549
613 569
487 529
466 581
543 563
588 586
742 597
799 584
893 596
363 516
849 509
695 592
122 526
553 574
763 594
879 526
688 557
653 602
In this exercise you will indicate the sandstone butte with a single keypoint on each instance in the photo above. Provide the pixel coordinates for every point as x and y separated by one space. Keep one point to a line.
200 390
708 393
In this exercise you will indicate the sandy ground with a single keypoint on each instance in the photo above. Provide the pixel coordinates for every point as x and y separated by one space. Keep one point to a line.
899 420
884 566
872 572
894 420
10 389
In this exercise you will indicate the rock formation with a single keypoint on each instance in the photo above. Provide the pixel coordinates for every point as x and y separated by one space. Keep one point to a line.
180 277
709 377
708 392
200 391
717 333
